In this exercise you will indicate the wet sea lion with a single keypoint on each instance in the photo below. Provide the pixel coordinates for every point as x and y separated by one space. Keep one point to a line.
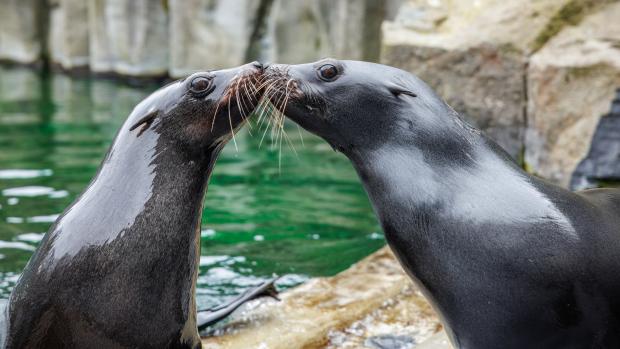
507 259
118 268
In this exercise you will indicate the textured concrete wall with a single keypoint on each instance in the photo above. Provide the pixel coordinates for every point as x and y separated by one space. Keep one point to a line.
176 37
20 31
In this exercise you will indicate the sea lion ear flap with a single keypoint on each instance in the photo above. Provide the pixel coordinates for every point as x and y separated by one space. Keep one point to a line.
398 90
146 120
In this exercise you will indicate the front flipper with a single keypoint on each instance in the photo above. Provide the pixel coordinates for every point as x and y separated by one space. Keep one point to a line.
213 315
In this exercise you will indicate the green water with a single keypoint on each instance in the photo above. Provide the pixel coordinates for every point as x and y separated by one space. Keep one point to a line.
306 217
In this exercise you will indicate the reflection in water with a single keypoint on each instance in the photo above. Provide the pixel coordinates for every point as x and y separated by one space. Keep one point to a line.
306 218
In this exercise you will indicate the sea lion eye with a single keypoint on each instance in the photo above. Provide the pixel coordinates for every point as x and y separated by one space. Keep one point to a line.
328 72
200 85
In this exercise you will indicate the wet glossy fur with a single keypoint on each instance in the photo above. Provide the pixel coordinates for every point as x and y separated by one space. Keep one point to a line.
118 268
507 260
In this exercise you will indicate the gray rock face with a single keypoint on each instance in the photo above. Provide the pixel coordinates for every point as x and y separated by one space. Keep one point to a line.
20 38
128 37
68 34
536 75
603 160
307 30
571 82
484 84
474 54
210 34
177 37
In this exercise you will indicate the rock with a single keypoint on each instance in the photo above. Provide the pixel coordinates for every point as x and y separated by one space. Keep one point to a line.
308 30
603 160
474 54
571 82
402 320
438 341
390 342
308 315
128 37
210 34
68 34
296 32
20 30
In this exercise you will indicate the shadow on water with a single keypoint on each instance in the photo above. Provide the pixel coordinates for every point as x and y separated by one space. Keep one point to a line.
307 217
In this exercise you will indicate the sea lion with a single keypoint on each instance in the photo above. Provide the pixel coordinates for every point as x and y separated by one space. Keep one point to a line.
118 268
506 259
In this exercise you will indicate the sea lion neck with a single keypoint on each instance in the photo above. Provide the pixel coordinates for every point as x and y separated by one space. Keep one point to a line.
474 185
119 267
140 176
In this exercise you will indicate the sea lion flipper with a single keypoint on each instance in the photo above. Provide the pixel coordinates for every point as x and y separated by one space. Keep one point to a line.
214 315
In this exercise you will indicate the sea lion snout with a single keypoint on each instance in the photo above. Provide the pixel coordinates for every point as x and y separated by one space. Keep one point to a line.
202 110
341 101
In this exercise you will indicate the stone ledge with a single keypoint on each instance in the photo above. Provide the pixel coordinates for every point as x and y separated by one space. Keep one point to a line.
373 297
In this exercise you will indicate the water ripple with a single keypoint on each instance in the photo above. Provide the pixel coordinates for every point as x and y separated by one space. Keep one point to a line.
24 174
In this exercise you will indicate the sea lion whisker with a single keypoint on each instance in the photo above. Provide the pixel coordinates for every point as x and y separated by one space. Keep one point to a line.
217 108
232 130
250 99
281 106
265 133
280 125
263 104
286 99
301 137
236 94
259 112
264 111
253 83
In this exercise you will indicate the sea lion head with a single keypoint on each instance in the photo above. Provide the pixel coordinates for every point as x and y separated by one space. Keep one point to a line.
201 111
353 104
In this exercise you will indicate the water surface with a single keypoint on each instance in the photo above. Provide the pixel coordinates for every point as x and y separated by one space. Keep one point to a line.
297 215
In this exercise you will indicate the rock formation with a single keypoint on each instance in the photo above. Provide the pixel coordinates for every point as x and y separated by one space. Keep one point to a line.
603 160
571 83
536 75
21 27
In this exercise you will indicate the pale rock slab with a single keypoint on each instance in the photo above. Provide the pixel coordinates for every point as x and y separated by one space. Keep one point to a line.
210 34
128 37
68 34
571 83
374 295
20 31
308 30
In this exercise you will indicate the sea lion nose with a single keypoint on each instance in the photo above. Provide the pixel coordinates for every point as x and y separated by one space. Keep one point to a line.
258 65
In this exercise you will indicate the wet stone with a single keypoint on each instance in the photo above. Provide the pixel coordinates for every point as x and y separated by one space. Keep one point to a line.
389 341
602 162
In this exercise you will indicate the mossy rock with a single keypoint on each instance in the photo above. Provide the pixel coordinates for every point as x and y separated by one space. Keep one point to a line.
570 14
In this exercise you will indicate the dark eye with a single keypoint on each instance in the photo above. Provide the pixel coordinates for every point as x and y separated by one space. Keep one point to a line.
328 72
200 85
